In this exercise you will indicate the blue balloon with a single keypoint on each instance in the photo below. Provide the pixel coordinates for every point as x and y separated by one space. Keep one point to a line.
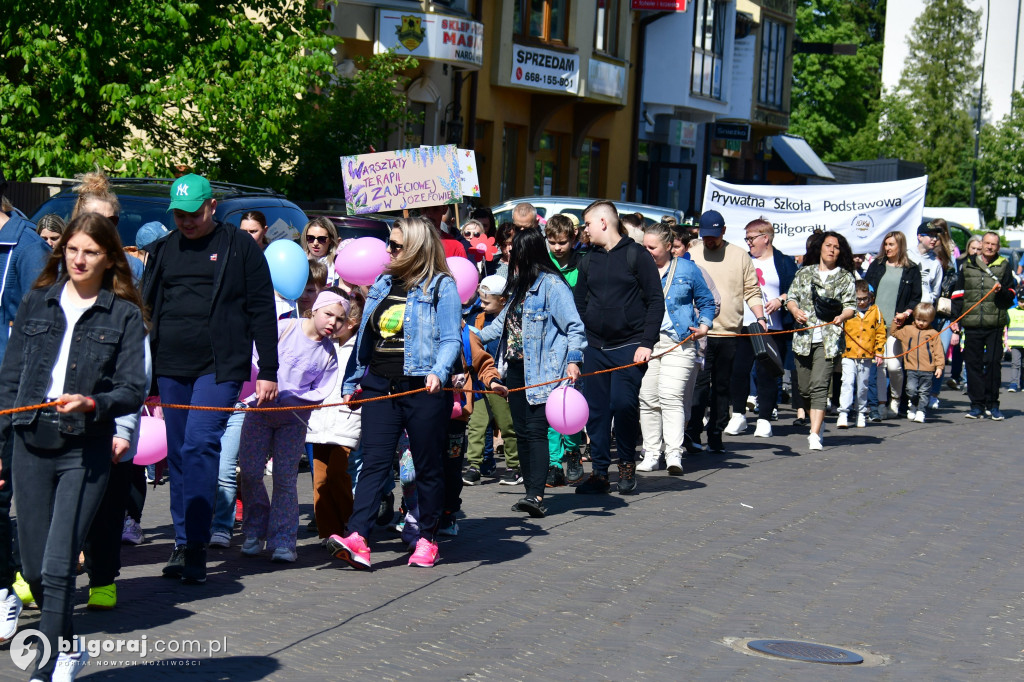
289 268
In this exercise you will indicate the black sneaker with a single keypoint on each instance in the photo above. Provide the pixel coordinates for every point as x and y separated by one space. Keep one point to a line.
574 472
488 467
175 564
194 571
511 477
596 484
532 506
627 478
471 476
386 511
715 443
556 477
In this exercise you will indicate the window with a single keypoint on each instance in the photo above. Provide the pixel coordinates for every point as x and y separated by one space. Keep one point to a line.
708 47
590 169
546 166
773 64
546 20
606 27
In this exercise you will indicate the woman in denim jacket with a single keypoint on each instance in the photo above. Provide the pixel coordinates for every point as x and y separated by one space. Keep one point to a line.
409 337
78 339
689 312
542 339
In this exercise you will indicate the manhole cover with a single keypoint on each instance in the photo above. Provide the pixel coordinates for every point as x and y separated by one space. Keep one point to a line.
805 651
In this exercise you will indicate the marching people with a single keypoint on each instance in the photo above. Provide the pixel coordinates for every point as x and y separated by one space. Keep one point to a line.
408 340
865 346
541 339
620 301
689 312
79 340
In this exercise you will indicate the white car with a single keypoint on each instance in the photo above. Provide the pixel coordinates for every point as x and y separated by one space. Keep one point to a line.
548 206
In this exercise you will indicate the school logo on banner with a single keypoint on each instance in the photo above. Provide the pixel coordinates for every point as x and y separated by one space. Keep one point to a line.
410 32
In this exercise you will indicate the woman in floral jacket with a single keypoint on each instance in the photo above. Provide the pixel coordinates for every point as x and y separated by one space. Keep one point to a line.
825 286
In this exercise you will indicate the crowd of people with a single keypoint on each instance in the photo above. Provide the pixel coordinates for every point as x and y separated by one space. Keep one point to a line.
671 332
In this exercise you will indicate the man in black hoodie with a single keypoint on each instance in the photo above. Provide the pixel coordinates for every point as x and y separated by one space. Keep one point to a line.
620 300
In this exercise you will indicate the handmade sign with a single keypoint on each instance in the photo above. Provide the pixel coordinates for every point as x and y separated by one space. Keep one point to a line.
401 179
467 170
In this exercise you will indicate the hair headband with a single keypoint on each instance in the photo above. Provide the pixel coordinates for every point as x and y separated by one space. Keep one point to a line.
330 298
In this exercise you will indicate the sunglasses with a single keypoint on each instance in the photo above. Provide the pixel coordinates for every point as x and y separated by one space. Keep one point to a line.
395 246
470 235
319 240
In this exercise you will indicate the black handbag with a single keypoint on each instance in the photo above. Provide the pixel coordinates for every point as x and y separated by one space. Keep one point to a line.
826 308
765 350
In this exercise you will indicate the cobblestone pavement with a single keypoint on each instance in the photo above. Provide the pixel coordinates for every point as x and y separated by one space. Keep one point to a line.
901 541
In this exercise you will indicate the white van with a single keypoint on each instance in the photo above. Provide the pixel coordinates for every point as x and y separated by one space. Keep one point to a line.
548 206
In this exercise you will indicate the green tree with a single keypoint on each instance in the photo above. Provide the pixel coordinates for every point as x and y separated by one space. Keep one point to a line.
141 86
833 95
926 119
1001 162
353 115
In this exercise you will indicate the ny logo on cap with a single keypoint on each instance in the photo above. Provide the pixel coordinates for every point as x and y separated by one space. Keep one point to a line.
182 190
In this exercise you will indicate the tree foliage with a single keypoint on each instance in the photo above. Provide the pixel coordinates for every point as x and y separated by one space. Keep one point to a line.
141 86
1001 163
353 116
926 119
832 95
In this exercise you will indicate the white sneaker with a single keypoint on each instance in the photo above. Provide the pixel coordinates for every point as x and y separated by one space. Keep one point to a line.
843 421
675 465
269 469
894 407
10 610
911 415
814 442
252 546
283 555
737 425
919 417
752 403
862 421
763 429
131 532
650 462
221 539
933 404
69 665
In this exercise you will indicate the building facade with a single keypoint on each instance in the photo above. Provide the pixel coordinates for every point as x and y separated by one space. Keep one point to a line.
540 89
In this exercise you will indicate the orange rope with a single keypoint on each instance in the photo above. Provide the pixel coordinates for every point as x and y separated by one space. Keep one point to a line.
355 403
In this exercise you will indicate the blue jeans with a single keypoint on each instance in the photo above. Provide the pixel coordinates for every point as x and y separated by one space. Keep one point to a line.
227 481
193 450
873 386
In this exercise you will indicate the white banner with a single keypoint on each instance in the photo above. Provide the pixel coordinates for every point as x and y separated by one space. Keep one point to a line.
861 213
536 67
431 36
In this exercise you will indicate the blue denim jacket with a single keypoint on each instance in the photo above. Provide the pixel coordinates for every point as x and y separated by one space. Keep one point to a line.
433 338
553 335
106 360
688 291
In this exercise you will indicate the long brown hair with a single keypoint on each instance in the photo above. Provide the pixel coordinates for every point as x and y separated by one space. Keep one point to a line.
902 260
117 278
422 256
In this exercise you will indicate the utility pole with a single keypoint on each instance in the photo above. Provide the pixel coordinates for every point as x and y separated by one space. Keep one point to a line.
1016 44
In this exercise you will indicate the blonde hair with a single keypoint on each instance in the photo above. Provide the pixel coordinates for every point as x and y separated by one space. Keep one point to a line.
421 257
94 186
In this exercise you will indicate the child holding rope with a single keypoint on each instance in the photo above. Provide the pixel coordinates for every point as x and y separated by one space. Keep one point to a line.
924 359
308 374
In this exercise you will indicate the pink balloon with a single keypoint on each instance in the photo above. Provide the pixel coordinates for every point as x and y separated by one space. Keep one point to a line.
152 441
456 409
249 387
362 260
567 410
466 277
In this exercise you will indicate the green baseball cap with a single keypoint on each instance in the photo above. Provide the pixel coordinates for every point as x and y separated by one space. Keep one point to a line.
189 192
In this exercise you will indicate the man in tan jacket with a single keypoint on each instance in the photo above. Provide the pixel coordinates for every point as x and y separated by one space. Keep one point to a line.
736 280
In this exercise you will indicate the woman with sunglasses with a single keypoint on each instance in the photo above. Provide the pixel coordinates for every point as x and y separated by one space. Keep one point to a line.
79 338
320 241
409 337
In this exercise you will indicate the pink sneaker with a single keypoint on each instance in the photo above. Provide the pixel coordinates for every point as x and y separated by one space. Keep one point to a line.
425 554
352 550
